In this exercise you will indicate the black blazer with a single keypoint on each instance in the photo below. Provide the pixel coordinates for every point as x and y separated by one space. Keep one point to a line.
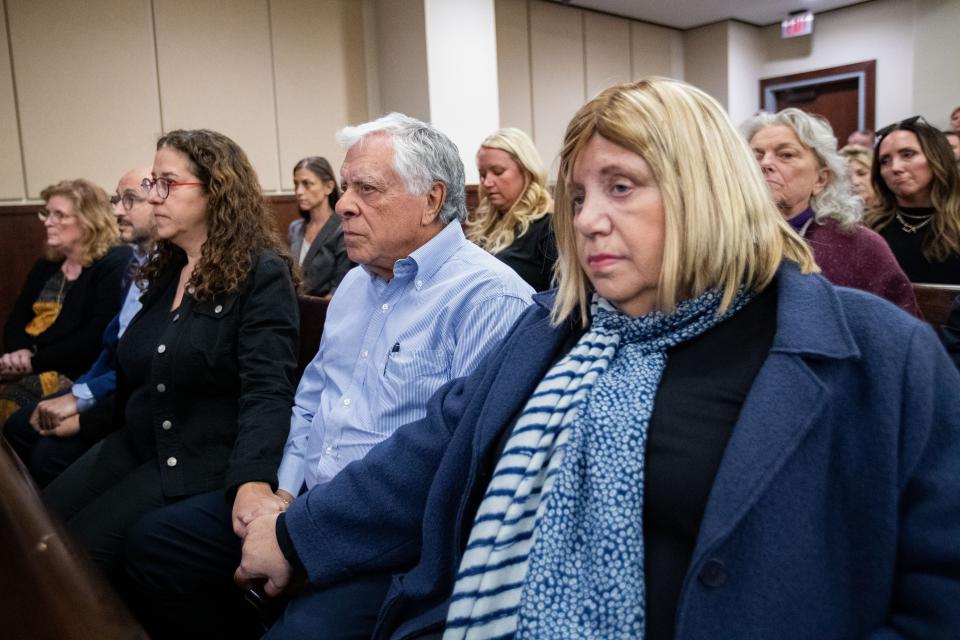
326 261
74 340
215 405
533 254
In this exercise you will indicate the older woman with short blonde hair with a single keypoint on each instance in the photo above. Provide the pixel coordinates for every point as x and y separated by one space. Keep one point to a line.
810 184
694 434
71 294
512 220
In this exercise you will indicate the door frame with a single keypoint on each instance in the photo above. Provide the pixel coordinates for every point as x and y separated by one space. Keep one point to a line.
864 72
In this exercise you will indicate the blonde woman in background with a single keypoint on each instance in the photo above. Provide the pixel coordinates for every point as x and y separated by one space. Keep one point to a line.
860 161
513 220
54 331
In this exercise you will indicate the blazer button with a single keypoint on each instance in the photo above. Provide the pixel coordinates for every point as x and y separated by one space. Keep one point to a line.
161 388
176 317
167 425
218 308
171 461
161 348
713 574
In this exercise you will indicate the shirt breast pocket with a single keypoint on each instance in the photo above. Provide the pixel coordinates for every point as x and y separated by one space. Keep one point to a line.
413 376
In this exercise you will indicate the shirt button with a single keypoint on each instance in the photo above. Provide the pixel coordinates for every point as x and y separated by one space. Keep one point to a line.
346 402
161 348
167 425
161 388
171 461
328 450
218 308
419 283
384 306
365 353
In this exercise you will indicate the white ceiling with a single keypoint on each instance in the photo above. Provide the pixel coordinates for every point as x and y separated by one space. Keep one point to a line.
686 14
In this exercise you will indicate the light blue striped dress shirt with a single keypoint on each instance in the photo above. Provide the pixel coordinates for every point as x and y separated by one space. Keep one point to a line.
388 346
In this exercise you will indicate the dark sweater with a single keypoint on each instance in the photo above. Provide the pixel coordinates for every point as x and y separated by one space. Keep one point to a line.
533 254
72 343
908 249
860 259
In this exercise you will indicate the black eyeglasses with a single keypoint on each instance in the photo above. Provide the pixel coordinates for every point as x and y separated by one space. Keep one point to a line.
128 199
898 125
164 185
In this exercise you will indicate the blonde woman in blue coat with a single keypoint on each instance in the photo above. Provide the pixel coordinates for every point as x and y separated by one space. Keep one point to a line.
695 437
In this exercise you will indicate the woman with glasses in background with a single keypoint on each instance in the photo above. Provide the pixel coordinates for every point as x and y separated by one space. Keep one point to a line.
918 184
71 294
206 370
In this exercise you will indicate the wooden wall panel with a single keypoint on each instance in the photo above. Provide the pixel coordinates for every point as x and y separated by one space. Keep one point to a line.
86 88
21 242
214 61
557 65
607 51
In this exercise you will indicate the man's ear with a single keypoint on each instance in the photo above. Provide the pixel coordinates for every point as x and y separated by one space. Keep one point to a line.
435 199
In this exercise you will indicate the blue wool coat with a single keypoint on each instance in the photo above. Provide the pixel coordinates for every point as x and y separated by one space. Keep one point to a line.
835 512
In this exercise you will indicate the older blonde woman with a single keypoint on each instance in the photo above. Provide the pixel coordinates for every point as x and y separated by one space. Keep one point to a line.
809 183
696 437
71 294
859 163
513 220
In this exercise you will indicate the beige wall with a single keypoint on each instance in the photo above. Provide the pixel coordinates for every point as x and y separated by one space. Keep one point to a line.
882 30
936 61
11 162
552 58
96 83
402 57
705 59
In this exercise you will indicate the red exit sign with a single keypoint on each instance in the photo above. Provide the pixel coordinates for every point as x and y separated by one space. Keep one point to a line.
799 24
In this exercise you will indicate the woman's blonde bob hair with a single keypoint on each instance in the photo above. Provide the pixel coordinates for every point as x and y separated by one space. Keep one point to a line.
722 229
91 204
495 230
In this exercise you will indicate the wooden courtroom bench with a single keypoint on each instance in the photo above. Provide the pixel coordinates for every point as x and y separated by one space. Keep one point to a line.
313 313
935 301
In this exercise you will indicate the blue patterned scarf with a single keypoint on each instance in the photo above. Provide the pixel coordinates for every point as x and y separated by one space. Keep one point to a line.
571 566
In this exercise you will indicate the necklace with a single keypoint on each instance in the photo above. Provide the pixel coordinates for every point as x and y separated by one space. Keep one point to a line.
913 227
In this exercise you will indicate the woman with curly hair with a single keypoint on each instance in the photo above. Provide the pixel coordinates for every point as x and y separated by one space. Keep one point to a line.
809 182
513 220
53 334
206 370
918 183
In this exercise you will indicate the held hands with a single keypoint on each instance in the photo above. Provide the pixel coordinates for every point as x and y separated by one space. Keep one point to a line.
16 363
50 413
256 499
67 427
262 558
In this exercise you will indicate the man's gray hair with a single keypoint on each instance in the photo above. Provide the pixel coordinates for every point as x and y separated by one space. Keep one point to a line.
836 201
422 156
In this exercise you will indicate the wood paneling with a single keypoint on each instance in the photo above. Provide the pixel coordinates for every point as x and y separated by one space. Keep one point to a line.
21 242
935 302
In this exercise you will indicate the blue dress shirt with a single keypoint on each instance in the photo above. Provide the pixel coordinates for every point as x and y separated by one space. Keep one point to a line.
102 374
388 346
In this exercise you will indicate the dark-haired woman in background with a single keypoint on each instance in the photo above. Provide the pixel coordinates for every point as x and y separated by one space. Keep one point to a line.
54 331
918 183
316 240
206 369
513 220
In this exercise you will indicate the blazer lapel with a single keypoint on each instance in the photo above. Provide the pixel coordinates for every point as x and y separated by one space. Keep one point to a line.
326 232
780 409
